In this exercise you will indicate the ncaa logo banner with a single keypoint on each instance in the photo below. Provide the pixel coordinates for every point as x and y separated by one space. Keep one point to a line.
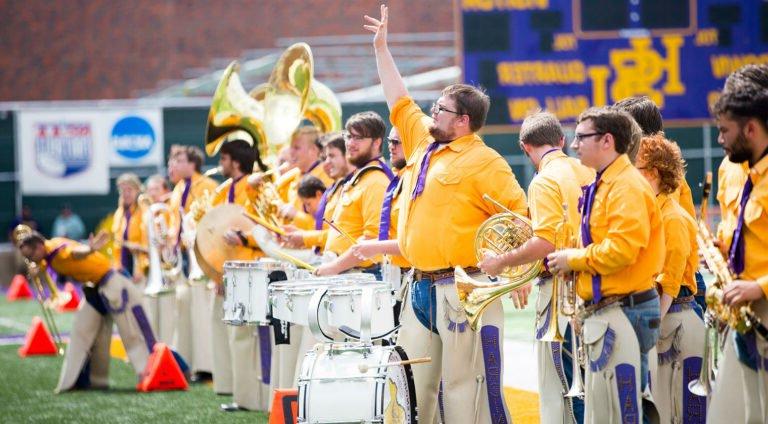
135 137
61 152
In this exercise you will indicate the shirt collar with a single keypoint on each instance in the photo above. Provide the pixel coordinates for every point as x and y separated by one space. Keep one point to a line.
760 168
463 142
615 168
662 199
546 160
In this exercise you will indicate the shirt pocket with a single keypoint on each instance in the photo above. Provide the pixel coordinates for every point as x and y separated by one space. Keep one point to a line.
448 183
756 209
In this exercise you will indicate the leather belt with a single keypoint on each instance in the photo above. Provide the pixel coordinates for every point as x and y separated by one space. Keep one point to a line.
684 299
440 274
625 300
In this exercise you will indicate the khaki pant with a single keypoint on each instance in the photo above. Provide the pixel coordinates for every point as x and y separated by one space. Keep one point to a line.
222 357
91 333
162 315
200 310
246 368
182 335
679 352
755 384
612 385
553 406
470 363
727 403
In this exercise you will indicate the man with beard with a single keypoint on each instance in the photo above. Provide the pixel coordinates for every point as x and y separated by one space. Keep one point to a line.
742 119
452 170
358 210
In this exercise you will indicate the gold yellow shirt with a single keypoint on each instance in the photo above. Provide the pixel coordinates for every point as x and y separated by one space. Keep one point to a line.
437 229
682 257
358 209
756 227
199 185
317 238
559 181
627 247
91 268
243 194
303 220
684 197
137 233
397 201
731 178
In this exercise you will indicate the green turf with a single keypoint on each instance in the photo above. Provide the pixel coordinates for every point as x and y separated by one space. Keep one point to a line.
21 313
27 397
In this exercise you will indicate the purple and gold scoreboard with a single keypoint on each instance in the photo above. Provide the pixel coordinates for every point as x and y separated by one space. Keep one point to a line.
567 55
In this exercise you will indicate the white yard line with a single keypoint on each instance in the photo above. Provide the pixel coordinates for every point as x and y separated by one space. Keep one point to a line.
9 323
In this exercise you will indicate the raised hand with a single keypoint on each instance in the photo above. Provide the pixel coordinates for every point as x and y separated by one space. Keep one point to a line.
378 27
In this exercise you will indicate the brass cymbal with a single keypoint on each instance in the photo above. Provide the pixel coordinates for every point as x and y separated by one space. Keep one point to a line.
211 249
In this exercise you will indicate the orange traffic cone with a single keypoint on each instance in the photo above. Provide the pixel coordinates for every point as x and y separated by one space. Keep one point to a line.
19 289
74 299
162 372
38 340
285 407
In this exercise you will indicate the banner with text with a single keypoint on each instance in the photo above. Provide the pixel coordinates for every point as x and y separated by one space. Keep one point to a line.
567 55
70 152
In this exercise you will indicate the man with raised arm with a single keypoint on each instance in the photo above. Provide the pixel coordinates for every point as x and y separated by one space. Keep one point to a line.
451 170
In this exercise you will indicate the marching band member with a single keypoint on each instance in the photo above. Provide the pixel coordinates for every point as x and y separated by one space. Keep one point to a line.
161 309
558 181
109 297
337 166
623 239
236 161
310 191
193 323
304 154
451 170
128 229
358 209
742 119
681 340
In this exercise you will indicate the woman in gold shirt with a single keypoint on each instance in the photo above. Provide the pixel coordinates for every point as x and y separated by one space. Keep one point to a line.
681 338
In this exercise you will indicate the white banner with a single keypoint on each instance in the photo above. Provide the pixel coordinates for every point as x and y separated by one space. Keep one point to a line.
135 137
69 152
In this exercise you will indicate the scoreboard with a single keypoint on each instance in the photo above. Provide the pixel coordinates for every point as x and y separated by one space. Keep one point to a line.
566 55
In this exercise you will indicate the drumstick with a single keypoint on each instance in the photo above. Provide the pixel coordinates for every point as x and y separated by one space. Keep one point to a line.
296 261
340 231
261 221
365 367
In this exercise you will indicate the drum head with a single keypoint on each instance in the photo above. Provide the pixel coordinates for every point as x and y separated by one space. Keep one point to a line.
211 249
400 391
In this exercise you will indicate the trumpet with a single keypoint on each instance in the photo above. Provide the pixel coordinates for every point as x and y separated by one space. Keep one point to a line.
500 233
164 260
56 298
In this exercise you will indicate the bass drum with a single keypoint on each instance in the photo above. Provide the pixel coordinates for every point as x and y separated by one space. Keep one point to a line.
354 383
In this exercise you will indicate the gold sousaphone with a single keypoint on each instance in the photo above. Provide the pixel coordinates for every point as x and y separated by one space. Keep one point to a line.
499 234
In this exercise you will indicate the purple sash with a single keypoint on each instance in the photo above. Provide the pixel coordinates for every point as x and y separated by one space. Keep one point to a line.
126 259
736 253
184 196
231 194
421 181
586 236
386 208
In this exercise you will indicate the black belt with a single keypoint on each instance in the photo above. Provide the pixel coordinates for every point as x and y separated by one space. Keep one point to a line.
684 299
628 300
440 274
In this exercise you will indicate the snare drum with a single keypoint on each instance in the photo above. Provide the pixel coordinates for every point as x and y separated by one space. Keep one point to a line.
336 387
245 289
290 299
345 307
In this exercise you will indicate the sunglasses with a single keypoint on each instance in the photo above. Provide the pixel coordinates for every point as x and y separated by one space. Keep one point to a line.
394 141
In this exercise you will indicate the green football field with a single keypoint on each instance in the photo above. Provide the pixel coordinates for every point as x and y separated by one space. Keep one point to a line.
26 395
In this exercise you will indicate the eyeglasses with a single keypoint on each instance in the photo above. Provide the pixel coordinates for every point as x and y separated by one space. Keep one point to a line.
394 141
579 138
348 136
436 109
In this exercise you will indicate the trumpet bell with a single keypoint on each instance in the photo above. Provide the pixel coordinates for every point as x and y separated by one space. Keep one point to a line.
475 296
